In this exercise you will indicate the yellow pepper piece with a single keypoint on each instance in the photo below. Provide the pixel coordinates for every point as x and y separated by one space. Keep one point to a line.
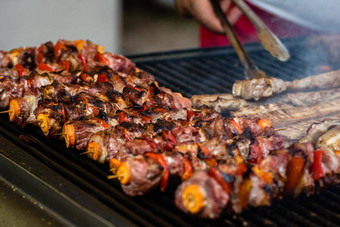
124 174
193 198
14 109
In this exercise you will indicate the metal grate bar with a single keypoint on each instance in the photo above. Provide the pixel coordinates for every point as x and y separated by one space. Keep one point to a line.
215 73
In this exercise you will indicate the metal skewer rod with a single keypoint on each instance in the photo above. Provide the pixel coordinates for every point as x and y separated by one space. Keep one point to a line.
251 70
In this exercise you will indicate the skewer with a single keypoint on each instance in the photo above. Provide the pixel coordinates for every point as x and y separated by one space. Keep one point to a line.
279 129
6 111
114 176
272 86
87 152
60 134
37 122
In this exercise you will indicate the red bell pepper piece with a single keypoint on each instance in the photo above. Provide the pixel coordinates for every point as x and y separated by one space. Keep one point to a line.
152 144
137 88
123 117
205 150
143 109
190 113
40 54
20 69
40 58
187 168
83 76
170 139
83 62
160 160
95 110
241 168
104 123
317 170
45 67
57 50
294 170
216 174
239 129
29 83
65 64
146 119
102 78
63 113
169 146
101 58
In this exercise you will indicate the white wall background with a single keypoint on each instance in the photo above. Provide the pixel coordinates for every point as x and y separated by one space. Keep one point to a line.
32 22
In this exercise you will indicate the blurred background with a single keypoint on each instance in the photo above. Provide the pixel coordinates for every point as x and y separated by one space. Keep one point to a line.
154 25
121 26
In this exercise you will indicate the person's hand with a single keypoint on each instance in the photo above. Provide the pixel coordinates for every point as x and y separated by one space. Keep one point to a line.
203 12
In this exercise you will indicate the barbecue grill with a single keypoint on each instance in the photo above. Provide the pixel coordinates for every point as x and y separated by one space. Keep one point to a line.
71 189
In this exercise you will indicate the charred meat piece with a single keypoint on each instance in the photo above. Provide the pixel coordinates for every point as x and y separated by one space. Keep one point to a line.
77 133
202 195
258 88
148 176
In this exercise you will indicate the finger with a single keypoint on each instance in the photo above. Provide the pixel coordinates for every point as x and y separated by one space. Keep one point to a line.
225 4
204 13
234 14
183 8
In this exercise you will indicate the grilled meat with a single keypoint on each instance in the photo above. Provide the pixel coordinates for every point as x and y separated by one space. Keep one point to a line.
282 173
330 140
138 182
258 88
227 102
266 87
201 183
316 130
77 133
151 136
292 118
326 80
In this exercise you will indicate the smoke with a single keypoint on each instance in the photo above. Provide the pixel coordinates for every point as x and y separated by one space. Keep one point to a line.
320 53
319 15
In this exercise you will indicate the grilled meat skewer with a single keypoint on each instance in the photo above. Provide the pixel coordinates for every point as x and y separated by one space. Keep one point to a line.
150 135
283 173
266 87
80 54
119 145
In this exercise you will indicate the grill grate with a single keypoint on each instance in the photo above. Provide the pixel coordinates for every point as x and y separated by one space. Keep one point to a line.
214 70
201 71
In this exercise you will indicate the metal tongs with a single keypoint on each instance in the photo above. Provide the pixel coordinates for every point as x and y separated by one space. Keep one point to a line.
269 41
